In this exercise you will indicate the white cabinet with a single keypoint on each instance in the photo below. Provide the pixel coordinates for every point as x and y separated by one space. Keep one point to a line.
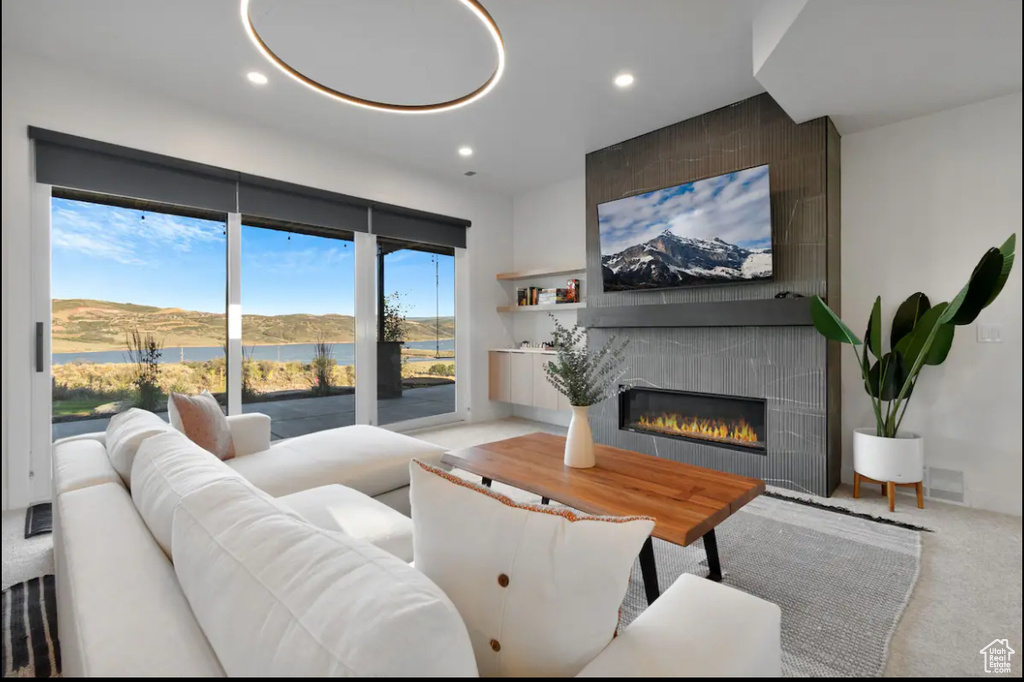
518 377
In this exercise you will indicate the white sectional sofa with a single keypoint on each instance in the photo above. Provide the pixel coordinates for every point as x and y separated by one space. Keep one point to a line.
219 568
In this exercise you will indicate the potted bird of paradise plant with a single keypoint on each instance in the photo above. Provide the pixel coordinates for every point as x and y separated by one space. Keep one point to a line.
921 334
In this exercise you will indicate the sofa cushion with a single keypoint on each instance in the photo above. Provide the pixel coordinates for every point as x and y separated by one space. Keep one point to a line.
277 596
201 418
121 611
125 434
539 587
370 459
81 463
338 508
167 467
699 628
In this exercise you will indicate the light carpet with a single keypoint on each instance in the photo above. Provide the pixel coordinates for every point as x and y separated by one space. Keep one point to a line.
842 582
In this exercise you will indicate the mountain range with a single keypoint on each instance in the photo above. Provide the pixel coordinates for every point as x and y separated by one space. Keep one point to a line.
669 260
83 325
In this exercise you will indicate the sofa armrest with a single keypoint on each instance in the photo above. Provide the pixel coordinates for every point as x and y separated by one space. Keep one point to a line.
100 436
250 433
697 628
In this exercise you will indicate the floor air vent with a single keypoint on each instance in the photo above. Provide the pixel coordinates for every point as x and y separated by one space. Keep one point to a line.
944 484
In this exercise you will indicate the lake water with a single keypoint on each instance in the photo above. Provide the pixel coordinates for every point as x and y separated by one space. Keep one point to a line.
344 353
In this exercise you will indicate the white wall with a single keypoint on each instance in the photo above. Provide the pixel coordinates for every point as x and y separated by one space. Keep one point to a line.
549 231
40 94
921 201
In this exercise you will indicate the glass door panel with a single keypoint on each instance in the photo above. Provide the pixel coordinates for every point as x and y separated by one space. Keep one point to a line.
137 305
298 331
416 331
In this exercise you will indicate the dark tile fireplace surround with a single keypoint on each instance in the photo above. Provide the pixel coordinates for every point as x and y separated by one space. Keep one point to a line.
729 377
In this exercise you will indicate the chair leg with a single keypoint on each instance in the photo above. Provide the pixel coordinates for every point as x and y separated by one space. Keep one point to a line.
920 494
856 485
891 491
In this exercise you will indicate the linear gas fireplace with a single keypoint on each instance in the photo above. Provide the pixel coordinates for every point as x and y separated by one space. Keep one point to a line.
726 421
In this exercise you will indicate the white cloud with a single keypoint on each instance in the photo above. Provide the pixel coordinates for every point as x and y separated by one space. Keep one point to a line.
733 207
124 236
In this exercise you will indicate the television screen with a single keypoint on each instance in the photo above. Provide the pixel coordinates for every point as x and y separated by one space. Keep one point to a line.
713 231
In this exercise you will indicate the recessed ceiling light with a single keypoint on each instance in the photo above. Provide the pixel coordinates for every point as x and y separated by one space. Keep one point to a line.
465 151
256 78
624 80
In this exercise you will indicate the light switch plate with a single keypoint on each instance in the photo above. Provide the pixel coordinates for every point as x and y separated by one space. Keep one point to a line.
990 333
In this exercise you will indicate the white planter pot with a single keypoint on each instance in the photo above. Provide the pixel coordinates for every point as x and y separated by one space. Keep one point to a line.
579 442
900 459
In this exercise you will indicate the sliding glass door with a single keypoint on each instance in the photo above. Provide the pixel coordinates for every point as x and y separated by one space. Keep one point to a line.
416 330
137 304
139 295
298 326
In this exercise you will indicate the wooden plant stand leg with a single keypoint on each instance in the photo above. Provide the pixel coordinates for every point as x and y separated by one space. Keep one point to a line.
889 489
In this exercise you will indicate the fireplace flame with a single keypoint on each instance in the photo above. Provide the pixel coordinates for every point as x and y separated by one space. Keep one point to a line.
736 431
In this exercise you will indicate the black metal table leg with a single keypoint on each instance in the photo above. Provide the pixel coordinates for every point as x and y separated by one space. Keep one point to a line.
649 571
544 500
484 481
711 549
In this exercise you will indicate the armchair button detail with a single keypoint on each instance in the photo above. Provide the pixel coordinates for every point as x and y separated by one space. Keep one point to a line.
495 645
503 580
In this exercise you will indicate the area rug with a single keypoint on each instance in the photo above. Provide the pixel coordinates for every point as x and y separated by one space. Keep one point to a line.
841 581
30 646
38 519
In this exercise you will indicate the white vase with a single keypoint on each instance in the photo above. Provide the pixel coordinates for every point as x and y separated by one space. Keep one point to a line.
900 459
579 442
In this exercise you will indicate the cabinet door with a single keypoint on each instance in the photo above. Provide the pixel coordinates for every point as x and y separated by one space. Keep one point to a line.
499 386
544 394
522 378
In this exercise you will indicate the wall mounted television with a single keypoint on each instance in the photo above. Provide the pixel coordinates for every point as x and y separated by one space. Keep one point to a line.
712 231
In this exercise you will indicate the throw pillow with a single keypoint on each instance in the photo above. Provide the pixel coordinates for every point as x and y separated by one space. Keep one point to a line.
125 432
200 418
539 587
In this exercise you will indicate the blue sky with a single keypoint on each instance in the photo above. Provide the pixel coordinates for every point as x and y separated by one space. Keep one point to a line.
733 207
113 254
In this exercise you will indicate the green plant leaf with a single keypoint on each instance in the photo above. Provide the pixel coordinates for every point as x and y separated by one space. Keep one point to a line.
980 288
1007 251
829 325
917 343
886 377
907 315
941 344
873 334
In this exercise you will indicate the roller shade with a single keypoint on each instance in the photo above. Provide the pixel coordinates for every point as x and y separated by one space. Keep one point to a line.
83 164
299 204
78 163
419 226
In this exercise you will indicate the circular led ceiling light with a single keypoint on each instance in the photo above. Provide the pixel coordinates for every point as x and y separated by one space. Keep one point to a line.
475 7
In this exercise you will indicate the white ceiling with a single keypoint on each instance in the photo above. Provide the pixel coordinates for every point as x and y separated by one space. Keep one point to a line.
881 61
872 62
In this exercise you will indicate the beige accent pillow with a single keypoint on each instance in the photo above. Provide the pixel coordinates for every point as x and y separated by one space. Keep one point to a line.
200 418
538 587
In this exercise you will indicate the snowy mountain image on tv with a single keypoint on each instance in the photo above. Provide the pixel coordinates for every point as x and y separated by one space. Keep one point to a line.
713 231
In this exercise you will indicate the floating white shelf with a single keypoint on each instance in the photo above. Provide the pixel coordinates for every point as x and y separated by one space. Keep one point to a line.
539 308
530 274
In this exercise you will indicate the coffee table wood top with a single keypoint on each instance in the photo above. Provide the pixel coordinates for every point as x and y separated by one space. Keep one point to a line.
685 501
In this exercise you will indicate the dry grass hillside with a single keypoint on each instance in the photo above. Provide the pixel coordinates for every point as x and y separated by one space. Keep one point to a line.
83 325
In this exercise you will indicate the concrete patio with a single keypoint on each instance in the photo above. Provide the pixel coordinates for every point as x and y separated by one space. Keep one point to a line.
295 417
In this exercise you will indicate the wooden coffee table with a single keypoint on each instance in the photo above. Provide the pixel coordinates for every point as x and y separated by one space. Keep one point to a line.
686 501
